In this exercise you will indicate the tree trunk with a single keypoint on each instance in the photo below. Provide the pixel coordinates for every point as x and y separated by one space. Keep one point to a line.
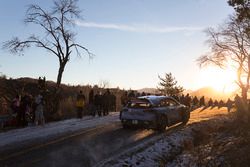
60 72
244 94
56 94
244 114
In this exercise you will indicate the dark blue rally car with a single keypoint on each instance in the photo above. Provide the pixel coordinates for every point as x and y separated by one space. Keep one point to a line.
154 112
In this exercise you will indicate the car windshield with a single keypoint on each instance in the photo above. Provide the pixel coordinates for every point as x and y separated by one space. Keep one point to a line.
139 103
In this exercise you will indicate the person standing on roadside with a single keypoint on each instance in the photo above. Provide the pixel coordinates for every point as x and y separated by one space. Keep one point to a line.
80 103
124 98
98 103
23 105
106 102
229 104
202 101
39 116
131 95
91 106
15 104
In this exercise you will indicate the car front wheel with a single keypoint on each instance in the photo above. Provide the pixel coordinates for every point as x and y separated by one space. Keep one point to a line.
161 123
185 117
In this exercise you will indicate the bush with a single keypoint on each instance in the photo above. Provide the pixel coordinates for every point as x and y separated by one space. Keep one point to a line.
67 108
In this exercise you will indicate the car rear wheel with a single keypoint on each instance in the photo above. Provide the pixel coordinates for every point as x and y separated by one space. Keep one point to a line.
161 123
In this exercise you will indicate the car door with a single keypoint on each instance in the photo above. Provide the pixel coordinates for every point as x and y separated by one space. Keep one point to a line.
173 111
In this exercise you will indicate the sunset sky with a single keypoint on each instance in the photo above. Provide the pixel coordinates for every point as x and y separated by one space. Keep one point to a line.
134 41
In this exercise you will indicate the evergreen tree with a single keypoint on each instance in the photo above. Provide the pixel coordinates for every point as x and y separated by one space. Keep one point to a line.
168 85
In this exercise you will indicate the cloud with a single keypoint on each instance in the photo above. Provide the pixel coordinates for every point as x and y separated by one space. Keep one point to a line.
138 27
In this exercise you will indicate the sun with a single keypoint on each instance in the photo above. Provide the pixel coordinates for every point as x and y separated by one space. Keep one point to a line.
222 80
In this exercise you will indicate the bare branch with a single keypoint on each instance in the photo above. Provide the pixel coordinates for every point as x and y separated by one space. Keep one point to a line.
91 55
15 45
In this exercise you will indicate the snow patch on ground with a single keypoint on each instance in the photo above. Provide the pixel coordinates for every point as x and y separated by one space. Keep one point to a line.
151 153
52 130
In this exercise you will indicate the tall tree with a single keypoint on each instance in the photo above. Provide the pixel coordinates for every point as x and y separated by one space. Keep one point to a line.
168 85
230 43
242 8
58 39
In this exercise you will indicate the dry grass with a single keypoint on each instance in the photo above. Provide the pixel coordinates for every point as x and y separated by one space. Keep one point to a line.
67 108
202 113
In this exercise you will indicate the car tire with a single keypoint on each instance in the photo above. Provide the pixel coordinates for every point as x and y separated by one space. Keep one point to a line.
185 117
162 122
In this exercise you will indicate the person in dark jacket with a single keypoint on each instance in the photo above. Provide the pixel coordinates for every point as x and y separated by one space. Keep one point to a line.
210 102
221 104
195 101
15 104
80 103
131 95
113 102
24 104
98 103
124 98
202 101
239 104
216 103
229 104
187 100
91 105
107 99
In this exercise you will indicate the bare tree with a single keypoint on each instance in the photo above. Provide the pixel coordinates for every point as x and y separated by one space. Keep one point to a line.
230 42
58 37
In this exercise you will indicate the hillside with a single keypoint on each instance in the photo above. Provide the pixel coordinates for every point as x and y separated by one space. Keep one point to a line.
209 92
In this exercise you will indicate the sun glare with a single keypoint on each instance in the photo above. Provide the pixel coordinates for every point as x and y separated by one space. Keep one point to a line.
222 80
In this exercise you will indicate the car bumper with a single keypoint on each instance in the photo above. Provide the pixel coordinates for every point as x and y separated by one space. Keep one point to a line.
139 123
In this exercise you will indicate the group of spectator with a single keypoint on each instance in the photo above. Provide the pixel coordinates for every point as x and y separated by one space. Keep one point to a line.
131 95
102 103
28 110
215 103
194 102
98 103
